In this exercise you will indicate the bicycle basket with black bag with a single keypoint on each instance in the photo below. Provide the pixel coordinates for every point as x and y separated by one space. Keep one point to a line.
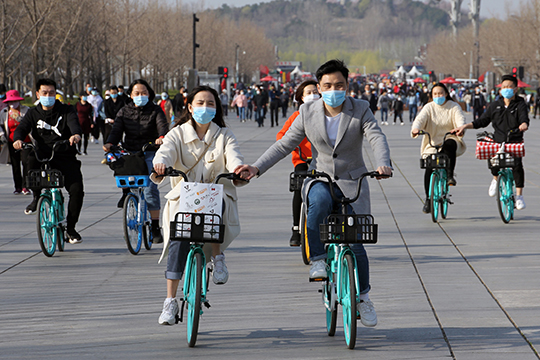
133 164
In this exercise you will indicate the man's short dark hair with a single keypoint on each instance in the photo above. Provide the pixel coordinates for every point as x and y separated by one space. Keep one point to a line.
512 78
113 87
330 67
45 82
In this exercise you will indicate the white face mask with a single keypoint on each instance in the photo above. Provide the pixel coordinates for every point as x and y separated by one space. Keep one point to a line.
311 97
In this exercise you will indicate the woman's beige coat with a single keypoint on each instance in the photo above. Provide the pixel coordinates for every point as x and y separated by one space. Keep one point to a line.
437 120
181 148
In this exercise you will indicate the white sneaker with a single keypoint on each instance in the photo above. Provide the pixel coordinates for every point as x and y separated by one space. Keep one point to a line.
520 203
318 269
402 124
493 188
368 316
220 274
170 310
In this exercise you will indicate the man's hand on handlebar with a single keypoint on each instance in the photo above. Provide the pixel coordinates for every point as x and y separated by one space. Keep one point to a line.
160 168
17 145
246 172
523 127
384 170
74 139
158 141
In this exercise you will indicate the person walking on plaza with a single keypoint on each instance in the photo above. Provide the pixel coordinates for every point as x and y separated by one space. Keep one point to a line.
397 108
284 102
85 113
96 101
51 121
273 94
138 123
259 105
240 102
438 117
478 103
383 105
336 126
111 108
467 98
184 148
166 106
10 118
507 113
249 109
224 98
306 92
412 103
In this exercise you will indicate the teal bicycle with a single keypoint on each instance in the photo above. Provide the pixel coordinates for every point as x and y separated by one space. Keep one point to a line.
342 286
198 229
438 184
50 220
504 161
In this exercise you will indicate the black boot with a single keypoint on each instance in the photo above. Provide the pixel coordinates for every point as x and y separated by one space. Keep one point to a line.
157 238
295 237
427 206
451 179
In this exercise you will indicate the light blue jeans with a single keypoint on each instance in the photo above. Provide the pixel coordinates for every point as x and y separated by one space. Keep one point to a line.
320 205
384 114
151 193
242 111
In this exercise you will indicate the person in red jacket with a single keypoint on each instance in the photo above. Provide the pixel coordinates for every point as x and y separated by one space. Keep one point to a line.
307 91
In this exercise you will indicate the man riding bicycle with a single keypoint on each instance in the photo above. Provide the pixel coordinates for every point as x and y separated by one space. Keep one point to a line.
507 113
51 121
335 125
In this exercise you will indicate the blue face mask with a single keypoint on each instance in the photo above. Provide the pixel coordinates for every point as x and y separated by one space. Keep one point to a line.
47 101
439 100
140 100
203 115
94 92
334 98
114 96
85 98
507 93
3 96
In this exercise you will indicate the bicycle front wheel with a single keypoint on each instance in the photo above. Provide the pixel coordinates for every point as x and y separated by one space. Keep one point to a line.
46 229
348 300
304 244
434 196
193 298
505 197
132 235
444 196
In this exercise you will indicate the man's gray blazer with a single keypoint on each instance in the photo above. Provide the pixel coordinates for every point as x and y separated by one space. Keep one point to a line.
344 161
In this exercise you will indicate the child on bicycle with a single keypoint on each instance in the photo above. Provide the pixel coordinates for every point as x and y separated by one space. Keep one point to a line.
437 118
201 146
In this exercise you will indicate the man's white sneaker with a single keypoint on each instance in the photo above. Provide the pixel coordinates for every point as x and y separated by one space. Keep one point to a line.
520 203
220 274
170 310
493 188
368 316
317 269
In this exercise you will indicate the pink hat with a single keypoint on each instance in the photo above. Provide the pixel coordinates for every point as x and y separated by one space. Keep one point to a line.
13 95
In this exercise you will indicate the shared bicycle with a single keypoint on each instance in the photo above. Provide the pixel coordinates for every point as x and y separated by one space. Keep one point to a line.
50 220
438 184
341 285
198 229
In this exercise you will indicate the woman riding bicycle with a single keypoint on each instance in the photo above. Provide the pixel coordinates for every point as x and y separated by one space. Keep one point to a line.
141 122
201 146
306 92
437 118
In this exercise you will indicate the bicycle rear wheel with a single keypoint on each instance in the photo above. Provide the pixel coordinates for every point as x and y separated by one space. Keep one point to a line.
304 244
132 235
434 196
193 298
444 196
46 229
348 300
147 231
505 197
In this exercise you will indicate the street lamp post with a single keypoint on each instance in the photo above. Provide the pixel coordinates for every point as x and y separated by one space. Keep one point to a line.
237 65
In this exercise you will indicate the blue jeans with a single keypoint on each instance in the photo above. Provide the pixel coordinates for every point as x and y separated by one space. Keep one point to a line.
384 115
413 109
320 205
259 116
242 113
176 260
151 193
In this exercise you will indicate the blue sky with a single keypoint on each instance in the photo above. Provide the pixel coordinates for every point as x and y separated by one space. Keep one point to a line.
488 8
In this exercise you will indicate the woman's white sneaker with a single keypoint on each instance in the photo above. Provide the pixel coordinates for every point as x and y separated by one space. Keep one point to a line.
220 274
169 312
493 188
520 203
368 316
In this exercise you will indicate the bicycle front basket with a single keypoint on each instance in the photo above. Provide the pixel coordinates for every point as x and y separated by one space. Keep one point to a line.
196 227
348 229
438 161
44 179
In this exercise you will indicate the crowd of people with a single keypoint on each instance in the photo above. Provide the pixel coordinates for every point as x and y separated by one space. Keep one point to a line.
190 134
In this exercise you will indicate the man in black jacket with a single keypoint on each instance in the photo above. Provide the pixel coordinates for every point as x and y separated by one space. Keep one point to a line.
51 121
111 106
509 112
478 103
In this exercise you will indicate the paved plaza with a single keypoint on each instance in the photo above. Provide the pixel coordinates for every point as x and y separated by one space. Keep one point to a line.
466 288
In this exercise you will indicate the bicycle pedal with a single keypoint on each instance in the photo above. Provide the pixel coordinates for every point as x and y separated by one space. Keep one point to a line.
207 304
318 279
177 319
320 290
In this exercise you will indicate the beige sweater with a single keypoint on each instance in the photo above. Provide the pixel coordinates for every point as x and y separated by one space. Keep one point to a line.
437 120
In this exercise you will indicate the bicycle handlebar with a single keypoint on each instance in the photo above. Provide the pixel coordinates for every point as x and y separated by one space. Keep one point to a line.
174 172
318 174
117 148
438 147
31 146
